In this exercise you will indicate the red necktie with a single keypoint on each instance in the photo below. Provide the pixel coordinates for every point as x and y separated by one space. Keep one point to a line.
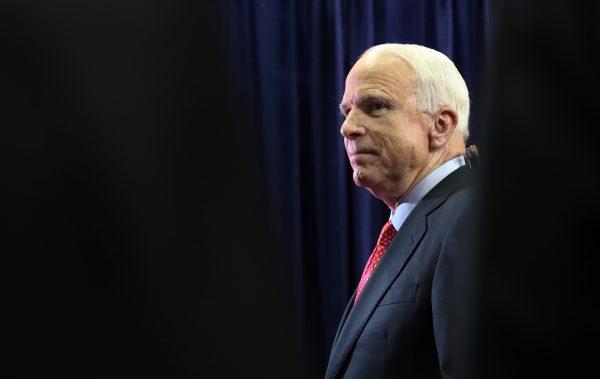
385 237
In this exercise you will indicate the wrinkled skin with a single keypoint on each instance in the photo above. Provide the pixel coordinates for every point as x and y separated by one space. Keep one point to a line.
391 144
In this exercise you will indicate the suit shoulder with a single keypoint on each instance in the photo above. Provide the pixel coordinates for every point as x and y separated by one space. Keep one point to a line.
457 204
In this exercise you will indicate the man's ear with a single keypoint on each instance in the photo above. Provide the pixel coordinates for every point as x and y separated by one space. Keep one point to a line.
445 121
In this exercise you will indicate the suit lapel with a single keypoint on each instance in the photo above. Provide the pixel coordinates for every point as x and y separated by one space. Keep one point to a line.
396 255
392 263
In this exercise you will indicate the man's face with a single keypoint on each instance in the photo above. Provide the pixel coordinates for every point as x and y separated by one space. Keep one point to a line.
385 134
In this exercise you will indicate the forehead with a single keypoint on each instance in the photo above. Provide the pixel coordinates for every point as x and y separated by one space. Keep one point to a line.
383 74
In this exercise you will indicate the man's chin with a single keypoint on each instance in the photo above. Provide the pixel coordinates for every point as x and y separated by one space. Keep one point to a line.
369 182
362 179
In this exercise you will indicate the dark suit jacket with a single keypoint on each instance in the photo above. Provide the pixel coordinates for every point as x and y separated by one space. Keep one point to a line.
402 325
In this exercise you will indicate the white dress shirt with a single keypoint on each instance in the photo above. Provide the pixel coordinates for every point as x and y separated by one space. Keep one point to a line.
422 188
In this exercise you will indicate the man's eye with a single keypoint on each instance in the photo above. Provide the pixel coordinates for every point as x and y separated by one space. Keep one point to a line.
377 107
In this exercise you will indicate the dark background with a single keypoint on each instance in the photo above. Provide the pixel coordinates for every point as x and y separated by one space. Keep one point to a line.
177 201
538 281
135 239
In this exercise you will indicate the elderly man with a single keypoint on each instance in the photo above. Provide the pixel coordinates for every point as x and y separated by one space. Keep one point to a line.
406 111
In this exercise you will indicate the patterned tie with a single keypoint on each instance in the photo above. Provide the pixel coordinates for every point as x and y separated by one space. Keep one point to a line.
385 237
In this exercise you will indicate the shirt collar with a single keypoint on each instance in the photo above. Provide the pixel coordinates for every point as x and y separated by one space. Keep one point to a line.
422 188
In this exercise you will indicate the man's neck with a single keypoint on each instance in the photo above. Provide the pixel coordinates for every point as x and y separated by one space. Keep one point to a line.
434 161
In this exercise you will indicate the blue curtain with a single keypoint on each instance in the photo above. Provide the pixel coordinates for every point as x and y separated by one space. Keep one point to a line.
292 57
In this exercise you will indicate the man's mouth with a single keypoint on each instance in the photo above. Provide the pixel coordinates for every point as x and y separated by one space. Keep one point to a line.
363 151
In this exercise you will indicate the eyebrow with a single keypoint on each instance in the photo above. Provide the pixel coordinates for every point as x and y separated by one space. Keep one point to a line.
365 98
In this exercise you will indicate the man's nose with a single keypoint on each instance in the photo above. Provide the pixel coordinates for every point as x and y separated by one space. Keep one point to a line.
351 129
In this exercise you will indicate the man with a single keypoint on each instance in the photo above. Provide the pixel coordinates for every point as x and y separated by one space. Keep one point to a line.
406 111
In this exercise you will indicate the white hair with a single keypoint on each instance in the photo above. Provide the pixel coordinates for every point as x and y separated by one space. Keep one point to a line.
439 82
